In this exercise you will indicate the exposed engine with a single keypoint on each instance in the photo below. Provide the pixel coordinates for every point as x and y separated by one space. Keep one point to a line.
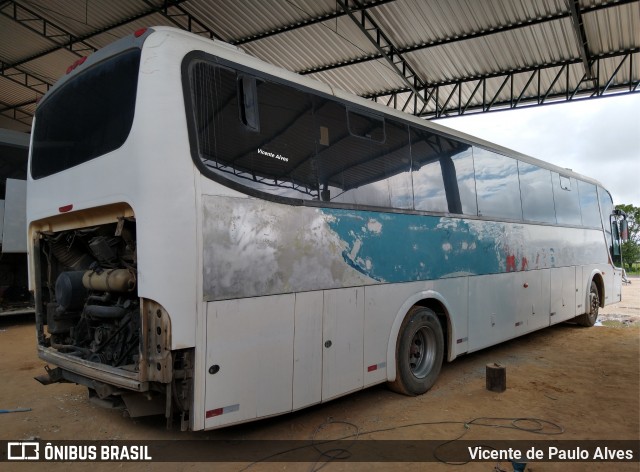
93 308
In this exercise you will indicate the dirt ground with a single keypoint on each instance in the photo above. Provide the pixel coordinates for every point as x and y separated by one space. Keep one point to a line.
586 380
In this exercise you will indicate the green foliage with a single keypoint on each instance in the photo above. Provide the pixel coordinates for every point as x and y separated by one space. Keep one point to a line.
630 253
631 248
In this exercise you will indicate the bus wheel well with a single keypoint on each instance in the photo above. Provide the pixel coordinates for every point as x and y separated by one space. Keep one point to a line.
443 316
597 278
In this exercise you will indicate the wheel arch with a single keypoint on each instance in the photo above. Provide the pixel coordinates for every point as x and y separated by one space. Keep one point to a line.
428 299
596 276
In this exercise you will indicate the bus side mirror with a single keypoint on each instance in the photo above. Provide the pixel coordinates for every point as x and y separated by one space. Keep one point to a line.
624 230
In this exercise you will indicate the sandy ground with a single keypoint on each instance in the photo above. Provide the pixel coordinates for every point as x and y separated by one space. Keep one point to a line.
586 380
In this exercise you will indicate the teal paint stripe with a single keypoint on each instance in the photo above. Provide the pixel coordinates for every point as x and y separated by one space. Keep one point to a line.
392 247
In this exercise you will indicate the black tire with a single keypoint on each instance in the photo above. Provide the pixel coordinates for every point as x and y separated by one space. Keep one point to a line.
589 318
419 352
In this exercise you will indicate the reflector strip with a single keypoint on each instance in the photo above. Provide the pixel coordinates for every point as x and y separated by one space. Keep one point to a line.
76 64
373 367
222 411
66 208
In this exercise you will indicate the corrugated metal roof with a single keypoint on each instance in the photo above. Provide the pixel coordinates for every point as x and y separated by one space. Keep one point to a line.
469 54
614 29
323 43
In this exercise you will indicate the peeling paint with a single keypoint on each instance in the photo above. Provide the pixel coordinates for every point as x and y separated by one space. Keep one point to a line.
374 226
254 247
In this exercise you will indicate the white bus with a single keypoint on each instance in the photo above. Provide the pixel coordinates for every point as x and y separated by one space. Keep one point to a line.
216 238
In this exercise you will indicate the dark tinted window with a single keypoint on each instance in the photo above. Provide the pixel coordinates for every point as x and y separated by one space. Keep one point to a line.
361 171
537 193
366 126
566 197
589 204
282 140
87 117
497 185
464 166
285 141
443 177
254 132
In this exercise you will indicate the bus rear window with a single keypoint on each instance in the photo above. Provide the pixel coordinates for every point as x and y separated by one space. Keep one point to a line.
87 117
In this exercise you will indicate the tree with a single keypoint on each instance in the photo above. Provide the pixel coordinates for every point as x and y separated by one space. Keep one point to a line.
631 248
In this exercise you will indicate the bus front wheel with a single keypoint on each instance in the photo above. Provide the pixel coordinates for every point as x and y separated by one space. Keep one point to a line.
419 352
589 318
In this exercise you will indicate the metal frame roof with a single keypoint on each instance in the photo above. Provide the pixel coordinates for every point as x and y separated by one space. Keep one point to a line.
430 58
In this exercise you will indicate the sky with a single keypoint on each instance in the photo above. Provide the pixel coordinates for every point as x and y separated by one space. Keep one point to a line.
599 138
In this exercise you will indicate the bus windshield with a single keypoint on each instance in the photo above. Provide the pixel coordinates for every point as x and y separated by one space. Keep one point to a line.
87 117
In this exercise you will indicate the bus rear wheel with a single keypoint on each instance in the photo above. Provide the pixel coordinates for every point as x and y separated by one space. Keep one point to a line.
419 352
589 318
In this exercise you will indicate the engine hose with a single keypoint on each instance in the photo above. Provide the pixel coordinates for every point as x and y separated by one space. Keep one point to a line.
69 347
104 312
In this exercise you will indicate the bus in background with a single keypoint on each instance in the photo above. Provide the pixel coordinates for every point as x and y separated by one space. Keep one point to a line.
15 298
215 238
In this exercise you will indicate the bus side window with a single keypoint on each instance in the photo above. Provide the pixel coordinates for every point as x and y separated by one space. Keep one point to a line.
362 159
537 193
589 204
442 173
248 102
565 195
497 185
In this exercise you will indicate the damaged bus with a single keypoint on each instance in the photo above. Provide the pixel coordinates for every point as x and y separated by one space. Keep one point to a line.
219 240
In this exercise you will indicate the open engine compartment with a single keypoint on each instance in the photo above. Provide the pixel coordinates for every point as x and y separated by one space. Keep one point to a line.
92 323
90 293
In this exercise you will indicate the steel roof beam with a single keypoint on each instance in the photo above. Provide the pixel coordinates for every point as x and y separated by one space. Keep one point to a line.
44 27
302 23
25 79
527 103
14 112
80 39
463 37
518 98
613 76
581 36
183 19
387 50
435 43
513 71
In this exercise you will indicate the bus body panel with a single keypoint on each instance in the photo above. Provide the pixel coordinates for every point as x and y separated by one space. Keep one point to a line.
307 349
251 342
161 193
329 337
269 247
563 283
